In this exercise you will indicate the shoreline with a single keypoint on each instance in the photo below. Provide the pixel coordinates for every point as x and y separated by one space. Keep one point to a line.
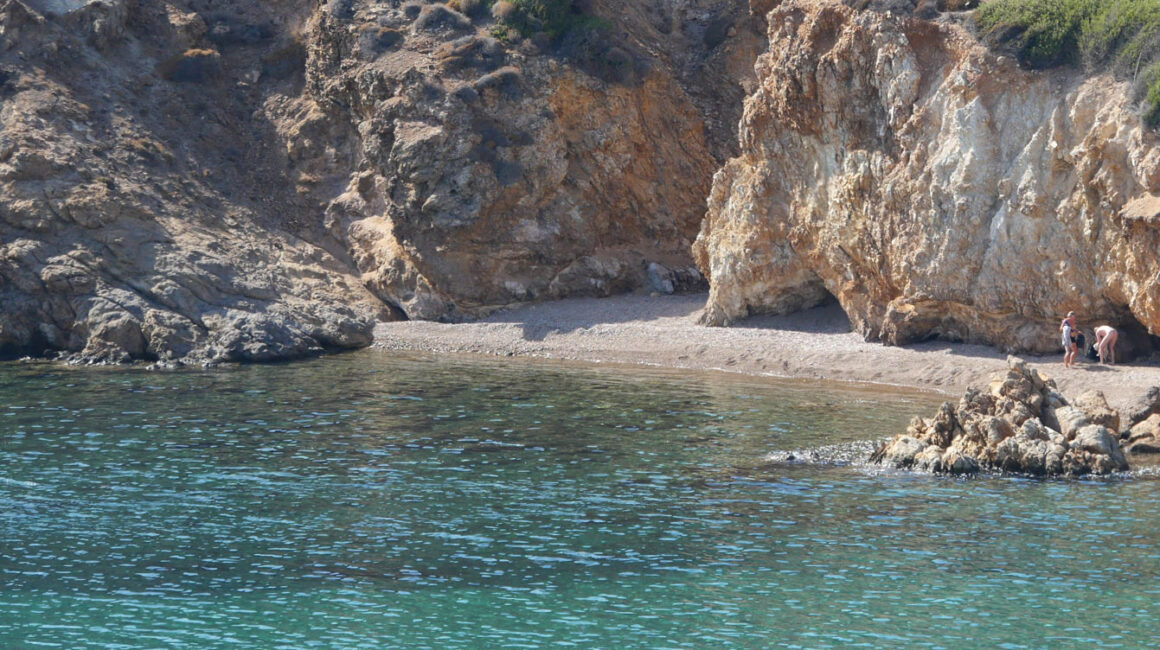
816 344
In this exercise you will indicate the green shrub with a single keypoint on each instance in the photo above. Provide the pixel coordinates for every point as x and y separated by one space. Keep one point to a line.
473 9
1045 32
1125 33
553 18
1100 33
568 29
1152 114
1120 36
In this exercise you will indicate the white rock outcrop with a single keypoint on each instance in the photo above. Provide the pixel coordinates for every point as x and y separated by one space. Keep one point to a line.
934 188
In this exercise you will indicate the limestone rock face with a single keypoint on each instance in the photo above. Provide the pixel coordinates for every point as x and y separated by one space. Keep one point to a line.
185 180
934 188
1005 428
490 174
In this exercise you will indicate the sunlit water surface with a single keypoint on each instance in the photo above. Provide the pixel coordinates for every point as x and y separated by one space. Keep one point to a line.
369 500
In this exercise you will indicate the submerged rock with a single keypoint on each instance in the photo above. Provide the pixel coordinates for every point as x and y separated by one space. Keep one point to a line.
1019 423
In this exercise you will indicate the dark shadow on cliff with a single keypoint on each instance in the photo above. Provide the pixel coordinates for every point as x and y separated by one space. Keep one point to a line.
826 318
830 318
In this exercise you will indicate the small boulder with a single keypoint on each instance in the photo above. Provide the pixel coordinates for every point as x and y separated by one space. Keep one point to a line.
1096 439
660 278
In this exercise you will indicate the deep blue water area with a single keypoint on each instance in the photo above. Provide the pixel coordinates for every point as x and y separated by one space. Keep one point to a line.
377 500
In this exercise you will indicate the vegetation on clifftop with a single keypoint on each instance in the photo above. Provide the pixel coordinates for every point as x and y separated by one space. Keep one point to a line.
555 19
568 28
1122 36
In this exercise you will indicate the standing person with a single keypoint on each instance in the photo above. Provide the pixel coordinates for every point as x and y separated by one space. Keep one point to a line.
1067 328
1106 336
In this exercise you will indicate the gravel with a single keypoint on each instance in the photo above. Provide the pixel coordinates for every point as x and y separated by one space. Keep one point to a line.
815 344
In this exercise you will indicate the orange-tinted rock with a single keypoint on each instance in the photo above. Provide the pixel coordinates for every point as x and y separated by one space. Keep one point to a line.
262 180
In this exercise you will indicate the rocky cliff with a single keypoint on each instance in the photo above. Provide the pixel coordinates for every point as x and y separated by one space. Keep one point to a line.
935 189
225 180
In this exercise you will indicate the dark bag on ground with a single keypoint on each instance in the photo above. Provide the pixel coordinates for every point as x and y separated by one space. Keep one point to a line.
1080 343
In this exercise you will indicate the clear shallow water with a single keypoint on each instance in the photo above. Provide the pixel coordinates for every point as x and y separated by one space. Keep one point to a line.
374 501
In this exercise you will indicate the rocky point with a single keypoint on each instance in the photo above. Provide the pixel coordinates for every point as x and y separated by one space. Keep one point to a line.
1019 423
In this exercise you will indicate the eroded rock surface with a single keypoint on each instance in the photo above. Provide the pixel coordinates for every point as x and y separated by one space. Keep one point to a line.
932 187
1019 423
492 174
134 222
207 180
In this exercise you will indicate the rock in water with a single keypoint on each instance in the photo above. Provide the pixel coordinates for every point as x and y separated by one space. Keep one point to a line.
1019 423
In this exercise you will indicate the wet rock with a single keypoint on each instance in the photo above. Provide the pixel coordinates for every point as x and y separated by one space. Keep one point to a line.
1003 429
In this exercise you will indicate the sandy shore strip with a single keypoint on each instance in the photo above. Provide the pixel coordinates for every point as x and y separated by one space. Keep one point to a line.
815 344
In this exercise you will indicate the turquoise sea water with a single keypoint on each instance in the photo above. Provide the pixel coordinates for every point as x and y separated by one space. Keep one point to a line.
368 500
